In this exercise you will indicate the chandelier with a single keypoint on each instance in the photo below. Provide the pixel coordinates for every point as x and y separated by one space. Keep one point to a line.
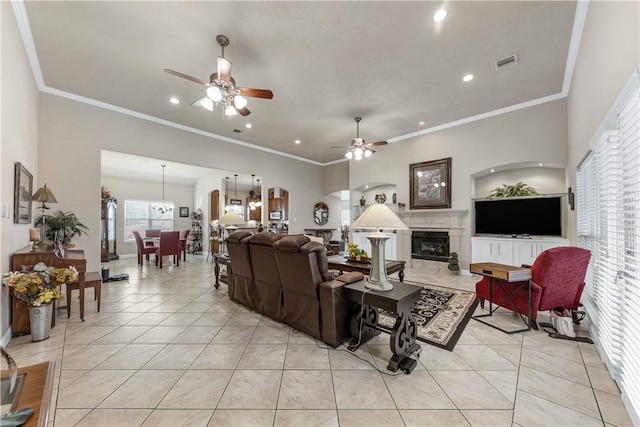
164 206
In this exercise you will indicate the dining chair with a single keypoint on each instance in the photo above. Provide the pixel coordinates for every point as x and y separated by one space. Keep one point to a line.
169 245
152 233
184 235
142 249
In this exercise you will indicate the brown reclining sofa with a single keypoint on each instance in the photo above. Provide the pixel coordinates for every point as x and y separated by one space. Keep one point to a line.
286 278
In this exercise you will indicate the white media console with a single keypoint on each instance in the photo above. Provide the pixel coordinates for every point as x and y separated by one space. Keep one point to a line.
511 251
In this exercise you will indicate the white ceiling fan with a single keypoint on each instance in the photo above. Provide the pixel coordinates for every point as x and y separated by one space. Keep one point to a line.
358 149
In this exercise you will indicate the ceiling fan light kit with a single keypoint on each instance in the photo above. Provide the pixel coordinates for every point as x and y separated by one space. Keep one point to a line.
358 150
222 89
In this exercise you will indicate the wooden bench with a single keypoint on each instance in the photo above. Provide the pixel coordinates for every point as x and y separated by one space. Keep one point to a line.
91 280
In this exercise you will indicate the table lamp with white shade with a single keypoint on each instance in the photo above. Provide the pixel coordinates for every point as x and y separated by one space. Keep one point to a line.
378 217
229 222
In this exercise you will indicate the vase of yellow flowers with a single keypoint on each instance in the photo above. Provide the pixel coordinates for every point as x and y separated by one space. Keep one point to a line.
38 287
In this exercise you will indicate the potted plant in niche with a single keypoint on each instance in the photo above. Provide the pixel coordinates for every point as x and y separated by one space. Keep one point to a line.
518 190
62 227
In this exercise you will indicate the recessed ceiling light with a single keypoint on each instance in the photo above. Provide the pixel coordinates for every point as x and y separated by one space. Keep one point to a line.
440 15
248 125
540 164
421 123
174 100
297 141
468 78
366 186
493 170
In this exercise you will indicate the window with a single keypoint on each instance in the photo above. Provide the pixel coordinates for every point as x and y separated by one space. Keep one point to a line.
138 215
608 224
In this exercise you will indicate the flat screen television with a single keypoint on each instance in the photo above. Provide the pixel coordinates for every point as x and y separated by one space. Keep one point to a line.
535 216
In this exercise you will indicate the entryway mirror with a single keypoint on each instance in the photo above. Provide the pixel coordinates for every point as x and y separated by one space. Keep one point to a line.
321 213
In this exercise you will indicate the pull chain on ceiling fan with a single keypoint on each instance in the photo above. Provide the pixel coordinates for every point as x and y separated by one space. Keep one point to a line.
222 89
358 149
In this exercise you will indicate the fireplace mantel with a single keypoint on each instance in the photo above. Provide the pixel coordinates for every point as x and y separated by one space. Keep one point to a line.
431 219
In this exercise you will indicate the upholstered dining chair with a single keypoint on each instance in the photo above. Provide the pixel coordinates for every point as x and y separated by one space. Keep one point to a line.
142 249
557 280
152 233
184 234
169 245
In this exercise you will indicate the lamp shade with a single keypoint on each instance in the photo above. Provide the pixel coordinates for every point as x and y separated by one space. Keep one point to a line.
44 195
231 218
379 217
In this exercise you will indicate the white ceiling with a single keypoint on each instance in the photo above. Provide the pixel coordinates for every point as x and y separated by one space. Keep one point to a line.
326 63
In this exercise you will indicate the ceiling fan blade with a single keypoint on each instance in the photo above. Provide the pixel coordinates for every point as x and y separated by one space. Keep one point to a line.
185 76
243 111
343 147
373 144
255 93
224 69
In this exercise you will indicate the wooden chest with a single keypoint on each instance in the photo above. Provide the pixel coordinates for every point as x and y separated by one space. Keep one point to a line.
509 273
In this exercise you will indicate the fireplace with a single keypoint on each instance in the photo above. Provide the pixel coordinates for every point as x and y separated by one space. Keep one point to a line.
431 245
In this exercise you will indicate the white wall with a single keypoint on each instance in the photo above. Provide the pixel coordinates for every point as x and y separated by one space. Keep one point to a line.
75 133
609 54
19 141
536 134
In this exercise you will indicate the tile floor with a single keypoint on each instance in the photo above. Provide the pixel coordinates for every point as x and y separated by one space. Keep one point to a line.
167 349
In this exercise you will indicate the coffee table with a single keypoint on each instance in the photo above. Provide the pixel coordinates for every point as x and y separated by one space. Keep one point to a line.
338 262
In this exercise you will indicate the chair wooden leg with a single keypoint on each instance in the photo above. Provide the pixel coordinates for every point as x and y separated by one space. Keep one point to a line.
98 294
482 304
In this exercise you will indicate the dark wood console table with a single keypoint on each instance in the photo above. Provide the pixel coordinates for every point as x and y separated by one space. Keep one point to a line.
27 256
364 323
217 260
340 263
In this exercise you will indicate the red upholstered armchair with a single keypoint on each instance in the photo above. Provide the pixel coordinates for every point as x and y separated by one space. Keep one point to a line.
557 280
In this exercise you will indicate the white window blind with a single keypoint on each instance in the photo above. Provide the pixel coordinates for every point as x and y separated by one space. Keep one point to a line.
139 215
608 224
629 125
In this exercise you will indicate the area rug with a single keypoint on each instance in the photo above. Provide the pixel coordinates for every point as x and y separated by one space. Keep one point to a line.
441 314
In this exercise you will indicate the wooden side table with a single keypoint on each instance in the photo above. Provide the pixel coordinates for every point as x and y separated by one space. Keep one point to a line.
364 323
500 273
217 260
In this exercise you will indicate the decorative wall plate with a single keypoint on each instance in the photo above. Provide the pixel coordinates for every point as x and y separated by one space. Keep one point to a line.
381 198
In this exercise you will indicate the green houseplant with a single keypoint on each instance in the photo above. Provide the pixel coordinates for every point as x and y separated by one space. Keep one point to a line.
62 227
518 190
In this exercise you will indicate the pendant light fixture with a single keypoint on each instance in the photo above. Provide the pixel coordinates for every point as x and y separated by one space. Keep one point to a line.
252 195
164 206
259 195
226 194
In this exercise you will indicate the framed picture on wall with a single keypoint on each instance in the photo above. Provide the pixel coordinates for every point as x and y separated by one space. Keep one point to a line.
430 184
22 191
184 212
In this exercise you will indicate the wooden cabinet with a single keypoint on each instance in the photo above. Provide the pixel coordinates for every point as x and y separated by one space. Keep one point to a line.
108 231
279 201
511 251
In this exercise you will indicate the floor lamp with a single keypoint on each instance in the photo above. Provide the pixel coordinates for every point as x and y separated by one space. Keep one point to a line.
378 217
229 221
43 195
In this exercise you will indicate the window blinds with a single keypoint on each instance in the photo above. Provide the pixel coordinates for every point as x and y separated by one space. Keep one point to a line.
608 224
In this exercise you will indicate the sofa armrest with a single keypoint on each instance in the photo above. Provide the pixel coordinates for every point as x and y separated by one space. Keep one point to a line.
335 312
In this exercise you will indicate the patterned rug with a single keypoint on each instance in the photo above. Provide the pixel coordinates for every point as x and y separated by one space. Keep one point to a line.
441 314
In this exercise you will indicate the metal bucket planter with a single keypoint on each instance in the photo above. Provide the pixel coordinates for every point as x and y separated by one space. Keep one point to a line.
40 322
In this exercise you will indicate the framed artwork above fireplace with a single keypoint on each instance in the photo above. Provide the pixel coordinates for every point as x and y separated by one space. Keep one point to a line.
430 184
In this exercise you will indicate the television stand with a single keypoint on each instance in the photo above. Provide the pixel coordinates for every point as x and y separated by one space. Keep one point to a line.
512 251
